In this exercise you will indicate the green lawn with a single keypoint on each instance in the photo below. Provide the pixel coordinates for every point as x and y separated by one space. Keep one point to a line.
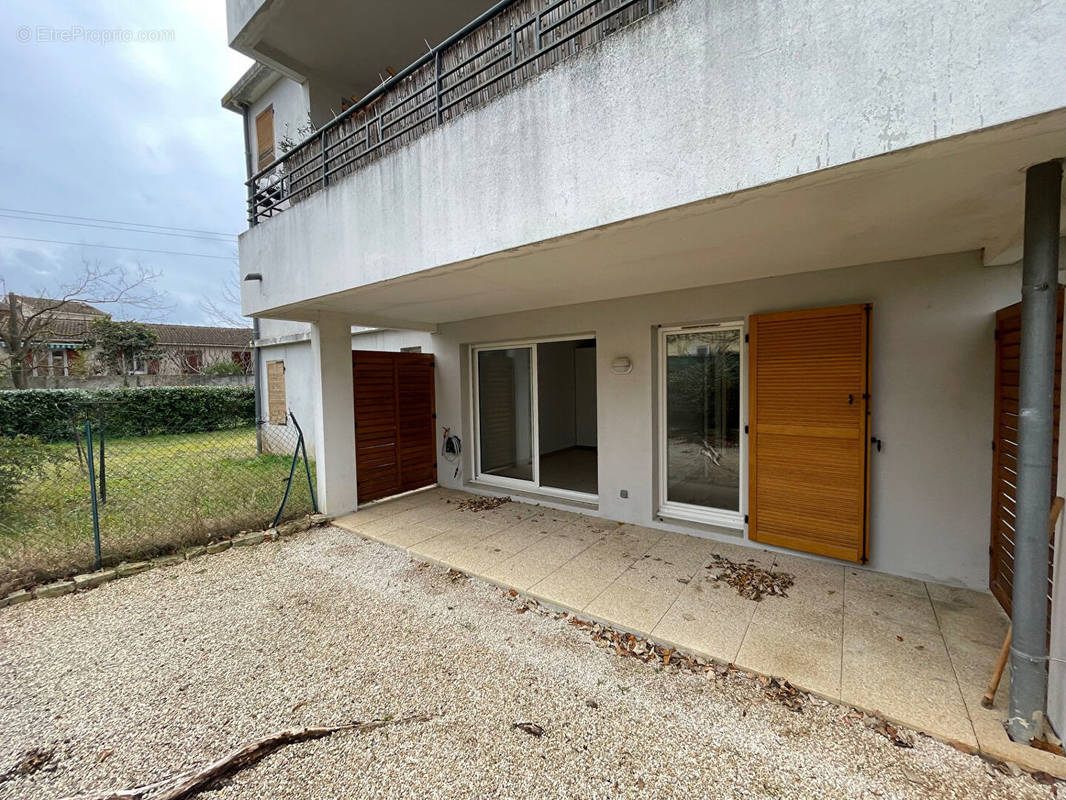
163 493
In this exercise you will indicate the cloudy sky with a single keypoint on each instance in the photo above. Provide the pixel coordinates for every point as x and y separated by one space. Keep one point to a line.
126 132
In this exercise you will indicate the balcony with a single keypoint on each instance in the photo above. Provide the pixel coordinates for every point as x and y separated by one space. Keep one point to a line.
566 152
508 45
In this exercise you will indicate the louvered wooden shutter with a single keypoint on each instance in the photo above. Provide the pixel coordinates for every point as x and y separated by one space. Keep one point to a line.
1005 450
264 137
808 437
395 428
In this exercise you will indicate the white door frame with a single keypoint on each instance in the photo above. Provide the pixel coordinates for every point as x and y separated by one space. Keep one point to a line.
725 518
516 483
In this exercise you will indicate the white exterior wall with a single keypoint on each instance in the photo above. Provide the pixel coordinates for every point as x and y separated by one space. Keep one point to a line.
299 386
701 99
932 375
291 107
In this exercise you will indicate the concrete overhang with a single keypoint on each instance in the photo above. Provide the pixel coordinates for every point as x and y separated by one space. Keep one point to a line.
250 87
954 195
349 45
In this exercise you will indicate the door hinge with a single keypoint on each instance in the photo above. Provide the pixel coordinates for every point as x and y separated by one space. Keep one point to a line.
745 519
747 337
745 429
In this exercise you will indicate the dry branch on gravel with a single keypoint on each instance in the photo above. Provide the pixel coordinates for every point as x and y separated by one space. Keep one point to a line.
187 784
749 579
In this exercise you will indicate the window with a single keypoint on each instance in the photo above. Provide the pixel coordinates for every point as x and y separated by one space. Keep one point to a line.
701 458
139 365
244 359
535 416
264 137
58 363
192 362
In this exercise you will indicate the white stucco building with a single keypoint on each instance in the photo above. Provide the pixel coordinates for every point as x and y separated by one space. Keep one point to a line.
728 268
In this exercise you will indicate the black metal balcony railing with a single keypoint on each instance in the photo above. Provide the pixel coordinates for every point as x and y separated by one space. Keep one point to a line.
507 45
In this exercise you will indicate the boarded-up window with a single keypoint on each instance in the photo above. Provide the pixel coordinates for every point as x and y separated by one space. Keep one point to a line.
264 137
276 407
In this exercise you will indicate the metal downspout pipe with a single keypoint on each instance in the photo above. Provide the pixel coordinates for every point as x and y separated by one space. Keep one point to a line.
257 373
1040 263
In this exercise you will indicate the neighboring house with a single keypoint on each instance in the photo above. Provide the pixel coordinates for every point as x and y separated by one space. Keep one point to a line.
181 349
66 348
726 268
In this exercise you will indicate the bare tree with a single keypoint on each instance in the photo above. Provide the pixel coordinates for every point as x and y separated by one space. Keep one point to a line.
224 308
25 331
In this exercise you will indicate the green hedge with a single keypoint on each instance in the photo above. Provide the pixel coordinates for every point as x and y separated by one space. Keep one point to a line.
52 413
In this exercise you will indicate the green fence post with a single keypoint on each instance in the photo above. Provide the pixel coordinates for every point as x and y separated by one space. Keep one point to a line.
103 468
98 562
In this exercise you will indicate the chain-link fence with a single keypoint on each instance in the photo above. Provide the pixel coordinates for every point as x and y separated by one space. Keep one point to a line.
154 494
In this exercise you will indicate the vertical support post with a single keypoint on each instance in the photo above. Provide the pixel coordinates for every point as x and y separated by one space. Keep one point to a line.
257 387
251 204
334 413
97 560
103 467
437 88
325 174
1040 263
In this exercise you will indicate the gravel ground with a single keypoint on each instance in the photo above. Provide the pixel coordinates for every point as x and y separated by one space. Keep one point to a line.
164 671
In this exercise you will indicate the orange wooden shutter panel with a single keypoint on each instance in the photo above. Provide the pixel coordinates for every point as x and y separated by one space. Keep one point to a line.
264 137
808 438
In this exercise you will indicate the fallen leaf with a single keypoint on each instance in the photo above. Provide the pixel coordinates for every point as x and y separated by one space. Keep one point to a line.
532 728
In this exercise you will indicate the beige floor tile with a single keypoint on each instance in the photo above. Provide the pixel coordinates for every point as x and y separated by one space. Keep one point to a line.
443 547
814 618
626 606
815 583
516 538
905 675
707 618
579 581
535 563
408 535
868 580
479 558
971 616
370 528
909 611
808 656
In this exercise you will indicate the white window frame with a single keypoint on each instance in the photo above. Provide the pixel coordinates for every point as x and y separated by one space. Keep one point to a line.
517 484
720 517
63 364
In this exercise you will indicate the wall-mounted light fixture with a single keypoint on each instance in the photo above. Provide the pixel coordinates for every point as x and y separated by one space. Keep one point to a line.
254 276
622 365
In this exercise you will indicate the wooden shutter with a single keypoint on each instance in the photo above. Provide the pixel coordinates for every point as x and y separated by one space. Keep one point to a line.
808 437
277 409
264 137
1005 450
395 431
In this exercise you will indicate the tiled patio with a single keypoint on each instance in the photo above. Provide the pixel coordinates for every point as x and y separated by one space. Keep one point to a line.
919 653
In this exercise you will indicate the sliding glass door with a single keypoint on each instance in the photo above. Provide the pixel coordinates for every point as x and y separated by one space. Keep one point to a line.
701 453
505 412
535 415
